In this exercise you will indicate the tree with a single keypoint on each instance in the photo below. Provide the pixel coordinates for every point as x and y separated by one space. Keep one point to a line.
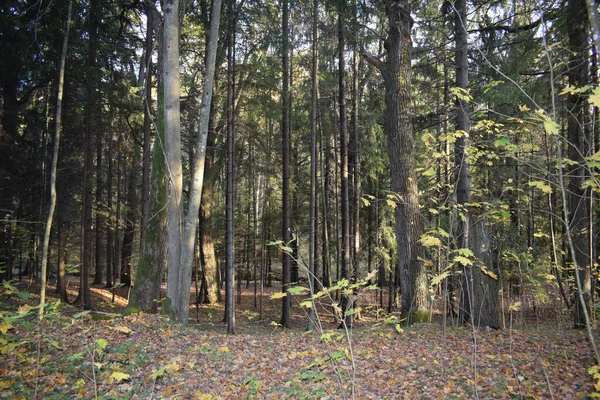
230 200
396 72
55 152
90 132
579 146
285 142
345 206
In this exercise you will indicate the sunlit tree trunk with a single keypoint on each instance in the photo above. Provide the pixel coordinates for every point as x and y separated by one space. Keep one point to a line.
230 195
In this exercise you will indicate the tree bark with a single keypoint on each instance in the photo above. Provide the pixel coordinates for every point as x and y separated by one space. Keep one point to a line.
91 104
230 195
312 240
55 152
285 132
173 168
345 202
579 140
398 127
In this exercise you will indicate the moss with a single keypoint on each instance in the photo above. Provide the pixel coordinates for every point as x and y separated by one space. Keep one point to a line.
419 316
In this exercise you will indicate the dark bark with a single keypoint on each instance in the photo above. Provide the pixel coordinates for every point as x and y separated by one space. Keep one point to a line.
100 252
110 237
345 201
129 232
579 140
398 127
61 280
90 133
285 132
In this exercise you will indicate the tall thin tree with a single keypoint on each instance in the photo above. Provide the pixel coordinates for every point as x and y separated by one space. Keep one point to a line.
57 133
285 132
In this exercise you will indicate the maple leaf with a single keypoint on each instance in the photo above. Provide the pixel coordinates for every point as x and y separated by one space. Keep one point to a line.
119 376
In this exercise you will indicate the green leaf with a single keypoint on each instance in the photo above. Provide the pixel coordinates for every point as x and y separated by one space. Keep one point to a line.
81 314
102 343
429 172
306 304
298 290
391 203
439 278
465 252
159 373
550 126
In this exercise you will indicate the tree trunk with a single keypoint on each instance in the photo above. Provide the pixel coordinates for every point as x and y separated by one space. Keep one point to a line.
100 253
84 288
398 127
312 240
579 139
191 217
346 302
129 232
145 293
58 131
230 200
110 236
285 131
486 300
173 161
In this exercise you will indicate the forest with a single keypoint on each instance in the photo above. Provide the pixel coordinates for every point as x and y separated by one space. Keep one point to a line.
354 199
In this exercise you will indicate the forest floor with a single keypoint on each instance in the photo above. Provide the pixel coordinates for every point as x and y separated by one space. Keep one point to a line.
105 355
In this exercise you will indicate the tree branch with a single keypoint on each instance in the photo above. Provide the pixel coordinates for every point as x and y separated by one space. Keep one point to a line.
374 61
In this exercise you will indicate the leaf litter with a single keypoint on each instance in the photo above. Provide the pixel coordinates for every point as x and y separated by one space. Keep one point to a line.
145 356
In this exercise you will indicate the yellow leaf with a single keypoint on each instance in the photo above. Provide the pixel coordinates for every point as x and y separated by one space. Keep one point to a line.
278 296
523 108
119 376
173 367
595 97
122 329
24 309
430 241
5 327
223 350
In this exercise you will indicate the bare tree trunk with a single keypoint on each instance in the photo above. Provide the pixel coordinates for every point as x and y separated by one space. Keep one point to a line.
230 201
191 217
84 288
55 152
110 236
346 302
398 126
579 140
285 128
100 253
312 241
